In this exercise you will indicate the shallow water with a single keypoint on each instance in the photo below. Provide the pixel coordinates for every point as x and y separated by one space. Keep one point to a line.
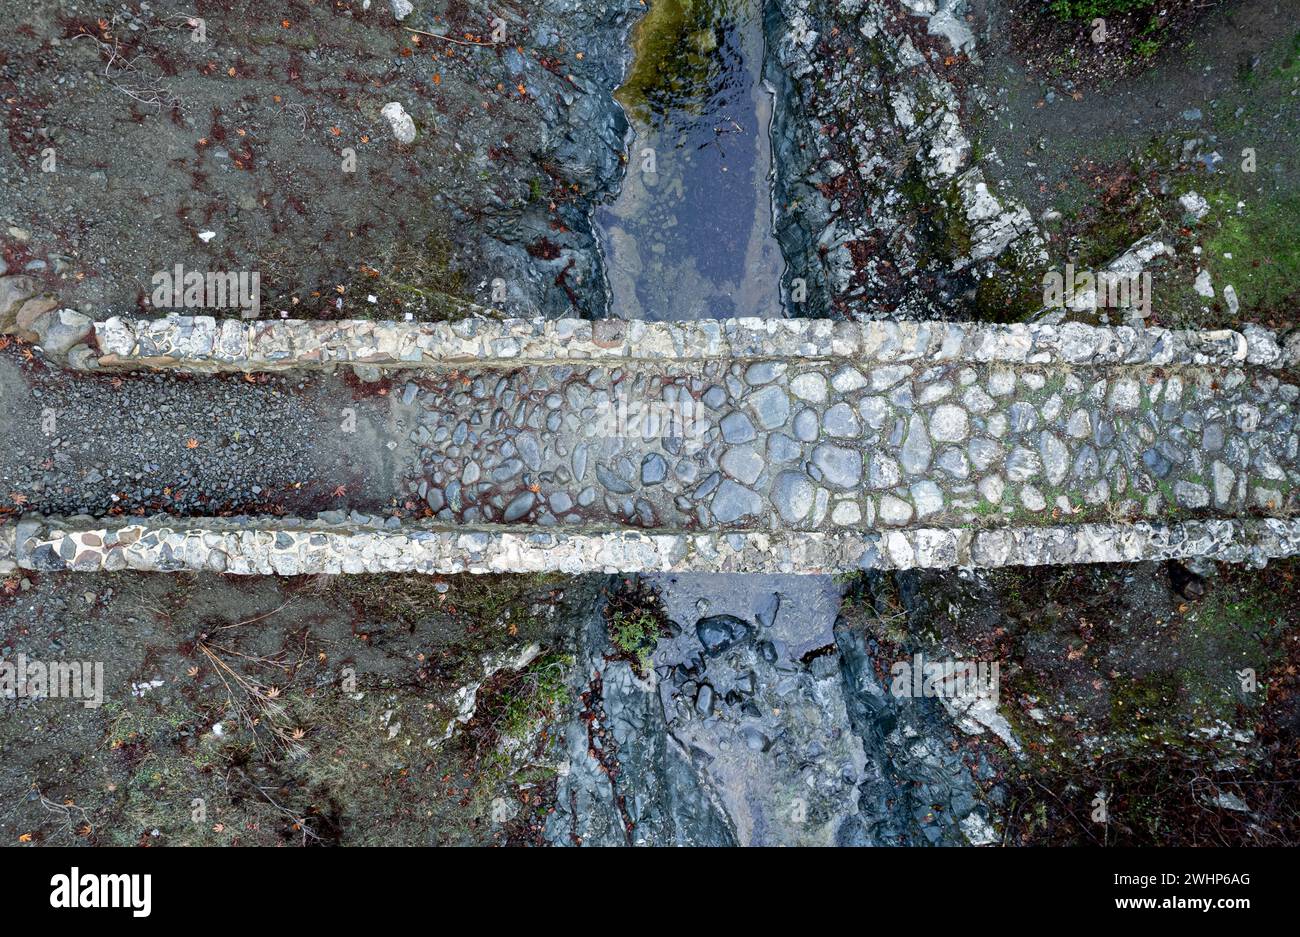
690 234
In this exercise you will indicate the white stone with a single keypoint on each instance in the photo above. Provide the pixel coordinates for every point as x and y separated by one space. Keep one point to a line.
1032 498
894 511
928 498
810 387
1203 286
846 513
399 121
949 424
848 379
1125 394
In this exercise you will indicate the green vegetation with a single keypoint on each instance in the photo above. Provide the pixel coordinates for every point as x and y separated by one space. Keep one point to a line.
635 633
531 696
1146 47
1290 67
676 57
635 620
415 599
416 278
1256 250
506 741
1088 9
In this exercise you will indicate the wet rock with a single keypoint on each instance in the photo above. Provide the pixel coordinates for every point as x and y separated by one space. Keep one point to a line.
704 700
717 633
737 428
612 482
771 406
754 739
60 331
916 447
840 421
732 502
653 469
519 507
840 467
742 463
805 425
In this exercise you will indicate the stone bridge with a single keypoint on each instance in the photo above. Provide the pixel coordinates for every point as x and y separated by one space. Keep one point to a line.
754 445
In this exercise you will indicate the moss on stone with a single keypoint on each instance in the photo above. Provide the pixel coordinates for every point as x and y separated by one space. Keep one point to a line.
1256 250
675 48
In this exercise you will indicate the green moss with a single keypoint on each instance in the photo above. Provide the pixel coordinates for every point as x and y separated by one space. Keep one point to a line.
1009 296
676 49
1290 65
1088 9
415 278
1229 632
1256 250
1140 704
1146 47
415 599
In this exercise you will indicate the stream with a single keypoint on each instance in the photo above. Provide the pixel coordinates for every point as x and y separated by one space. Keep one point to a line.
763 722
689 235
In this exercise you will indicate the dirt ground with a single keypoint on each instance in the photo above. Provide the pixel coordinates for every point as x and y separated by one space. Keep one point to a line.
284 711
1101 141
1126 682
137 140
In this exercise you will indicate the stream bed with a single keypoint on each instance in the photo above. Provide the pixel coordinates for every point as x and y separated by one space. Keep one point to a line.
689 235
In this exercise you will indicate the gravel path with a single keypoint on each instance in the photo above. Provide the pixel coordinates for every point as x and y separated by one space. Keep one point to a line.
169 443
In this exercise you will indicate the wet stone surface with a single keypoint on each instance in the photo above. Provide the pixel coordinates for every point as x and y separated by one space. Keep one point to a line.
784 445
760 722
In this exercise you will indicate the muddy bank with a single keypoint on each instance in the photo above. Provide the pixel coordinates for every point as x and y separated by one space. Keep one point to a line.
464 710
286 711
1148 704
254 141
1187 137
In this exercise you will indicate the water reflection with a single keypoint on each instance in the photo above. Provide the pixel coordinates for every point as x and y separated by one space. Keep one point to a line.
690 234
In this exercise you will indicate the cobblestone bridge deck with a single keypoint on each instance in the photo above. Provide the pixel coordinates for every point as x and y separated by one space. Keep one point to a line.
757 444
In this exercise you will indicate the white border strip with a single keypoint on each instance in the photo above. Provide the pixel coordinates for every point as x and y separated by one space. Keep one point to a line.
271 546
203 343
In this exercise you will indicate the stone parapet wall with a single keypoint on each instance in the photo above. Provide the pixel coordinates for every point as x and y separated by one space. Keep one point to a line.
289 546
206 344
